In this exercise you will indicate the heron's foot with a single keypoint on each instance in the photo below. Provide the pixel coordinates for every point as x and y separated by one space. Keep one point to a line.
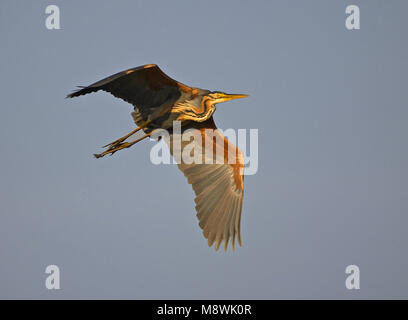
119 146
112 149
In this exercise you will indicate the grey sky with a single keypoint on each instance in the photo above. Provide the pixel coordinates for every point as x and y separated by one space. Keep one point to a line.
331 190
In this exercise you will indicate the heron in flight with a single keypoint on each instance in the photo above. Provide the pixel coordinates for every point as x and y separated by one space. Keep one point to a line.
159 100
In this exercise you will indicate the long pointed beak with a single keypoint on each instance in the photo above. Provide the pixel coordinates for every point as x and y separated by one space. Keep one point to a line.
228 97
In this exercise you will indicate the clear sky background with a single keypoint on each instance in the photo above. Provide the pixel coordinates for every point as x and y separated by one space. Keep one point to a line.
331 190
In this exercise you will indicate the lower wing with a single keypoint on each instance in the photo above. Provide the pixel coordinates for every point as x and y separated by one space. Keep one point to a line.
214 168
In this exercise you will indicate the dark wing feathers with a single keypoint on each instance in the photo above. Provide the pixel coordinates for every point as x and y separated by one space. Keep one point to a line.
218 195
145 87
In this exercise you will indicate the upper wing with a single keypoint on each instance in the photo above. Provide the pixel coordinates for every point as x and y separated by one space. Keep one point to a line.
146 87
219 186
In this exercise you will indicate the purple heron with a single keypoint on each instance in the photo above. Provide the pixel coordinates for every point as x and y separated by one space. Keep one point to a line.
159 100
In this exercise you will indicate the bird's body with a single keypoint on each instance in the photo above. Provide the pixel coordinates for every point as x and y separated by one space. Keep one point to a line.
158 101
192 105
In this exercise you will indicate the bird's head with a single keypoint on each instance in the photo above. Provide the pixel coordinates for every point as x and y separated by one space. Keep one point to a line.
218 97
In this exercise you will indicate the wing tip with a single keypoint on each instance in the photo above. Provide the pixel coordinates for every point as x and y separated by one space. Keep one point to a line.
76 93
225 242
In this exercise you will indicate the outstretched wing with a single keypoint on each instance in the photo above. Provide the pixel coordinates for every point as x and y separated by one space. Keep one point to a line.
218 186
146 88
